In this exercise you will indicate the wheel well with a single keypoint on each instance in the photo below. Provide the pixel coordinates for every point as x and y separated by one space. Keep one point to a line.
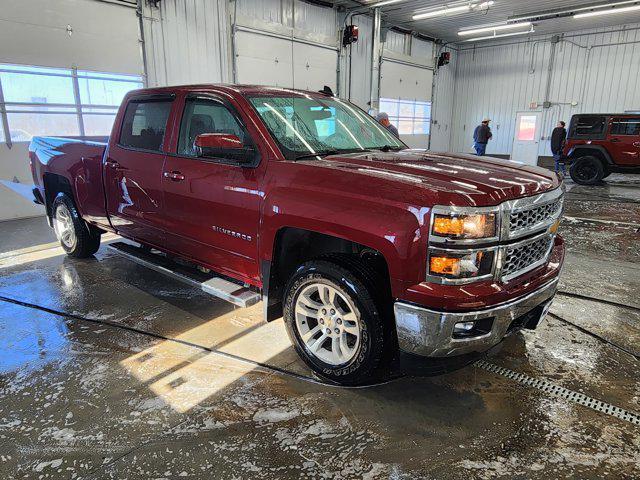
53 185
590 152
295 246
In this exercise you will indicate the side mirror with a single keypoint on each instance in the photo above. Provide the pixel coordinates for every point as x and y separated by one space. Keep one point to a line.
222 141
224 145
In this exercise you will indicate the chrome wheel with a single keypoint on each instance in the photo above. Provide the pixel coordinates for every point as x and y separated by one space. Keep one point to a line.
327 323
63 226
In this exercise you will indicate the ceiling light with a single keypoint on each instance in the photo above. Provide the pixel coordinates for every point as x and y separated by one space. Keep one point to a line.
491 37
555 14
611 11
452 10
385 2
496 28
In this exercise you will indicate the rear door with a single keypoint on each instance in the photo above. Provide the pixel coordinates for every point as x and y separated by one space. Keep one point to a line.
212 200
624 140
133 169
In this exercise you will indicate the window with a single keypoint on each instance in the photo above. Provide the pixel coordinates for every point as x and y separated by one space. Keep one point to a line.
625 126
60 102
304 125
410 117
527 128
144 124
588 126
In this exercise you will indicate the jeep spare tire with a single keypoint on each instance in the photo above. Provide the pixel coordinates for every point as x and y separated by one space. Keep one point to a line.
587 170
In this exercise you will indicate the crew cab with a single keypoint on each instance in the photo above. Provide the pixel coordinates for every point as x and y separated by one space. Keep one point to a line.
370 250
599 144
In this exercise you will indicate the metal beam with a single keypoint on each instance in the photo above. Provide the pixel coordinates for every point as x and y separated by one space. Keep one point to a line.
376 57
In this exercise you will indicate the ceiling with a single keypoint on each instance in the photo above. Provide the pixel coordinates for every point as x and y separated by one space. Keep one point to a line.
446 28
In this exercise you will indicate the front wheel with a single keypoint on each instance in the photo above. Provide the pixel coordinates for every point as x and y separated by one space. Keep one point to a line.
334 323
73 233
587 170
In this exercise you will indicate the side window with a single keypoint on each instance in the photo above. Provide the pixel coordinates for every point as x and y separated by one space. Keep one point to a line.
589 126
206 116
144 124
625 126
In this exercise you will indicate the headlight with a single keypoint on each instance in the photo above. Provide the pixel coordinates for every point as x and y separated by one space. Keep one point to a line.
449 264
464 226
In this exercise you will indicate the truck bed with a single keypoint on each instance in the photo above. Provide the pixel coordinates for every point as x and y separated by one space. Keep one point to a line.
75 163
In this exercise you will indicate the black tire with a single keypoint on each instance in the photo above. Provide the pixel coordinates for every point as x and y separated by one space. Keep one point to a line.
87 242
587 170
375 341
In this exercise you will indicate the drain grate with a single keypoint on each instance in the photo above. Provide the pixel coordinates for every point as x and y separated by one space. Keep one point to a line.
561 392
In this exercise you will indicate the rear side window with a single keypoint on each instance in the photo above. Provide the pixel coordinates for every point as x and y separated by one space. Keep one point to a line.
144 124
625 126
591 126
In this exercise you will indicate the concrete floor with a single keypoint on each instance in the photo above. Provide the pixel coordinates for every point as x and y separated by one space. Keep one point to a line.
84 399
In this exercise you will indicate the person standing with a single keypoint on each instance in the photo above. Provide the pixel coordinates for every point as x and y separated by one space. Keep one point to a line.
481 136
558 139
383 119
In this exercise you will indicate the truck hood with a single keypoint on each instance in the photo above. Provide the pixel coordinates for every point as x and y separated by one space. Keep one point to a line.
452 178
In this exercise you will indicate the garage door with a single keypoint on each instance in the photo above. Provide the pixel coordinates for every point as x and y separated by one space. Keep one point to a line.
405 94
268 60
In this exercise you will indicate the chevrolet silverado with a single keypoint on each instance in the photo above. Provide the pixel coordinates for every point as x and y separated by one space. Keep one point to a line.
368 249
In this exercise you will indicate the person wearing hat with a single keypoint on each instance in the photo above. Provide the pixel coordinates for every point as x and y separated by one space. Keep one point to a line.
383 119
481 136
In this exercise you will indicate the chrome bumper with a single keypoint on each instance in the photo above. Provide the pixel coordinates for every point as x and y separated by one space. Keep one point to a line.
431 333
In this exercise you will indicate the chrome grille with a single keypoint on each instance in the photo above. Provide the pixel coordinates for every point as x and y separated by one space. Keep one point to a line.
530 217
525 256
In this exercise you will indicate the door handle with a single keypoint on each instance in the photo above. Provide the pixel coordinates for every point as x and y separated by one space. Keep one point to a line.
614 140
175 176
112 163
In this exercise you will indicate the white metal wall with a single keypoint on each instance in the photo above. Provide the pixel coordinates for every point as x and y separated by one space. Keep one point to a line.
596 70
187 41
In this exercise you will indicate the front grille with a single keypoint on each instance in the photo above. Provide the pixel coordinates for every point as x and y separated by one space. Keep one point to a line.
523 257
532 216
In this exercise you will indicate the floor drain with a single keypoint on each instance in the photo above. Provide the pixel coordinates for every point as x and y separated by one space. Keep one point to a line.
561 392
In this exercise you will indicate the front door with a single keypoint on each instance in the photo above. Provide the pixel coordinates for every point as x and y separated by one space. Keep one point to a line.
212 198
624 140
527 139
133 171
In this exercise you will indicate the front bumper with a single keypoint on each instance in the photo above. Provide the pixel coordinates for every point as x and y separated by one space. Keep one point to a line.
430 333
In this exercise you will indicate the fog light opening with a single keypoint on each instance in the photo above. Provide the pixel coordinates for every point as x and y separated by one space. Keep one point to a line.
463 327
473 329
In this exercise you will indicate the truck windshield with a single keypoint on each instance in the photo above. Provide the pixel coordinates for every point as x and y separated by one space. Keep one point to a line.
309 126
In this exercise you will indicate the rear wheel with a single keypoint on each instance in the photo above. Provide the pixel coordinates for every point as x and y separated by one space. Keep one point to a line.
74 234
335 324
587 170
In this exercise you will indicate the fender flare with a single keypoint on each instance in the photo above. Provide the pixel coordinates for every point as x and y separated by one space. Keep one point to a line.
580 151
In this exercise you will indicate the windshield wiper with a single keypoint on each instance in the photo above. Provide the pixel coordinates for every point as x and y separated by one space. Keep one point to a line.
387 148
317 154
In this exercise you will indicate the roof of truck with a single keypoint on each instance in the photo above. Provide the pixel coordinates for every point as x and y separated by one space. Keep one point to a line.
242 89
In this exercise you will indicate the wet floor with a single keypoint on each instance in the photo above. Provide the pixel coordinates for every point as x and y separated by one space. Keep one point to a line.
121 373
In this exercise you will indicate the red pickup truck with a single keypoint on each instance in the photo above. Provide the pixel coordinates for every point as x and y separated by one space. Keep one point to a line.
367 248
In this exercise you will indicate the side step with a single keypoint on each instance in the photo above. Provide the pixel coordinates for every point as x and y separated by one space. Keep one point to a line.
219 287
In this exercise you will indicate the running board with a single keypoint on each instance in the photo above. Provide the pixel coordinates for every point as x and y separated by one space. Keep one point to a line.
216 286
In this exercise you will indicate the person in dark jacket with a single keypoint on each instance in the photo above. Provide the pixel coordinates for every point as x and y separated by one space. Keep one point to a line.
481 136
383 119
558 139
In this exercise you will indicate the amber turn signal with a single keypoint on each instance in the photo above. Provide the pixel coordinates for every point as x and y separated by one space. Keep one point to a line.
448 226
444 266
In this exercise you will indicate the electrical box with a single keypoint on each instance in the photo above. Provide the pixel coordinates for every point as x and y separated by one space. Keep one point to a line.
350 35
444 59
